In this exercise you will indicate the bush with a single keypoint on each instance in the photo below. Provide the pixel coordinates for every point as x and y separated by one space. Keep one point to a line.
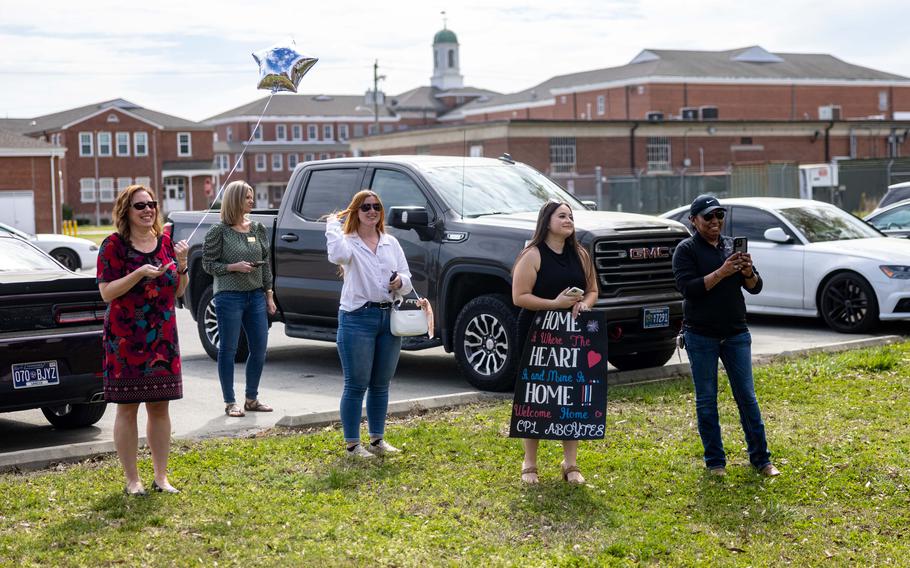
67 212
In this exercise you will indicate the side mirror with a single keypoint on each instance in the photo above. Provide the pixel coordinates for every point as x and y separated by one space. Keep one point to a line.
777 235
592 205
412 217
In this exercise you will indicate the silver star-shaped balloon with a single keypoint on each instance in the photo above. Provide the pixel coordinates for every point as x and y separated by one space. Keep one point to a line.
281 67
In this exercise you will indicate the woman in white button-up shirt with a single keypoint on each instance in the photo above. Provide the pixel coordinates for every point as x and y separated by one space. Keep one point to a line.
375 270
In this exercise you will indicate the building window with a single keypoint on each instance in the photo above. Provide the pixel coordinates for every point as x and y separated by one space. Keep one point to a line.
358 130
144 181
658 154
85 144
476 151
184 148
342 131
277 162
239 162
260 163
229 134
292 161
562 154
388 127
113 118
324 156
745 140
257 134
297 132
123 143
883 100
106 187
87 190
123 183
311 132
308 157
281 132
221 162
601 104
175 188
339 154
104 143
140 144
451 58
327 132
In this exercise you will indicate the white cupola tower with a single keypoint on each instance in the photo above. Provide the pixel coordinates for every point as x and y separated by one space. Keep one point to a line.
446 60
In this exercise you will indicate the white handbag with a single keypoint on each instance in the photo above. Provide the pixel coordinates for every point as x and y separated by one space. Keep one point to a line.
407 317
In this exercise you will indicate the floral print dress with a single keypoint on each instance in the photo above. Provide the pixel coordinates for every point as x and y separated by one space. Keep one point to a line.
141 354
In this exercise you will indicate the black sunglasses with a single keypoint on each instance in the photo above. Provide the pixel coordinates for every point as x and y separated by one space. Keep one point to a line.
375 206
140 205
709 216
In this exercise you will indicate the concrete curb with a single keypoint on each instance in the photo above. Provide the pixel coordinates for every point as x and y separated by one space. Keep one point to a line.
26 460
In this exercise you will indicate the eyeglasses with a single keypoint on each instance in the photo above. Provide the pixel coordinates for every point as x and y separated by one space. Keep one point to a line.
719 214
367 206
141 205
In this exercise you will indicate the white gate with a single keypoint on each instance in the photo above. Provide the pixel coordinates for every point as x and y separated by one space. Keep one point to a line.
17 208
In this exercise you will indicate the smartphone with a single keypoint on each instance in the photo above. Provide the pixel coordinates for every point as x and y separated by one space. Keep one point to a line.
393 276
574 292
740 244
257 263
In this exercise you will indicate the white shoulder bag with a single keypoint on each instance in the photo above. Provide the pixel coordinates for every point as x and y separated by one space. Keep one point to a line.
408 318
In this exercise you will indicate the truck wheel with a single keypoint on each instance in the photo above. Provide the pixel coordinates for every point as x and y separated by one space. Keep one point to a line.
485 343
74 415
207 326
642 360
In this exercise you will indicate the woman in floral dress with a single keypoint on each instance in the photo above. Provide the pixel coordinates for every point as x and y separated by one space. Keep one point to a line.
140 273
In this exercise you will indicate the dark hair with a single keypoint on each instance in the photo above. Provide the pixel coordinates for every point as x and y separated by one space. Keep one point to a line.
543 227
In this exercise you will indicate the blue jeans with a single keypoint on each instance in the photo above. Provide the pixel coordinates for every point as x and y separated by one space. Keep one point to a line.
736 354
369 355
236 310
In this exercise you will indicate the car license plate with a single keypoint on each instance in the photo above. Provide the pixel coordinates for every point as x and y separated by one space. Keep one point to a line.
657 317
36 374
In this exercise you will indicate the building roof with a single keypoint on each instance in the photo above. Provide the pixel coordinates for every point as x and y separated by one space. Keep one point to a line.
300 105
15 144
19 125
59 120
445 36
752 63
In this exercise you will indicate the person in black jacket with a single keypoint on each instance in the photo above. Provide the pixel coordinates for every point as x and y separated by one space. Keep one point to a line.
711 277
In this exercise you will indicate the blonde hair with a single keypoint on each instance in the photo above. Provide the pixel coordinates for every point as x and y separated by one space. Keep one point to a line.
352 221
233 201
121 213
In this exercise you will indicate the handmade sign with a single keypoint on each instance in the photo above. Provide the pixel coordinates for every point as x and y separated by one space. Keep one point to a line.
561 390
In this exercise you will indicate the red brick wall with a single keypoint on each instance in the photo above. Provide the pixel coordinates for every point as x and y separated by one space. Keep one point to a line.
33 174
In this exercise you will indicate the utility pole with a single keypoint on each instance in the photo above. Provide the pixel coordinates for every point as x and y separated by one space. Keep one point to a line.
376 79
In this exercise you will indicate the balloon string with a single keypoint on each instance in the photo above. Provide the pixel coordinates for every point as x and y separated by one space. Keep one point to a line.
236 163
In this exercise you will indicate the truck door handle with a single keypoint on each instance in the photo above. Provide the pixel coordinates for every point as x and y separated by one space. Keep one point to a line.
289 237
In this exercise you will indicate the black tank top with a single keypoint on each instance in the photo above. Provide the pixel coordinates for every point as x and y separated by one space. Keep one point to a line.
557 272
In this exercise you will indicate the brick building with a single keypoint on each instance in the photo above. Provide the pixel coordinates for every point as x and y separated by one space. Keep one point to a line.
30 190
117 143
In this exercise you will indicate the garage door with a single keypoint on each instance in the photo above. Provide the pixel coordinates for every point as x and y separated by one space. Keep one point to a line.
17 208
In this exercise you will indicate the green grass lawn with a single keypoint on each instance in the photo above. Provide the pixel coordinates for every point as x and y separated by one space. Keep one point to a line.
95 233
837 426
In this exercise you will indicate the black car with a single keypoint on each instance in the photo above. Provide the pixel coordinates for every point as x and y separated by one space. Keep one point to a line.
50 337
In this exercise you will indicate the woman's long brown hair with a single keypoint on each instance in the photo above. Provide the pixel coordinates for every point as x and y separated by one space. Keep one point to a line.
540 235
121 213
352 221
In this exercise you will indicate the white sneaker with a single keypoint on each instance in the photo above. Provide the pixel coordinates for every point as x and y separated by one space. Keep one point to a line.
381 447
359 451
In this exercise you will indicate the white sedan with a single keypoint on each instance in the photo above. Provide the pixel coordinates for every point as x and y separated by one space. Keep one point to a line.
72 252
817 260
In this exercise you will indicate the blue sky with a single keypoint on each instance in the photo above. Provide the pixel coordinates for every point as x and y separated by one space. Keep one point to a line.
192 59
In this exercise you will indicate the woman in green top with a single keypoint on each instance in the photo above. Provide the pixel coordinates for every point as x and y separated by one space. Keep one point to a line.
236 254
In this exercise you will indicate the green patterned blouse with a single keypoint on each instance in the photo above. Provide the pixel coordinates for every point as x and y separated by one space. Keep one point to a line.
224 246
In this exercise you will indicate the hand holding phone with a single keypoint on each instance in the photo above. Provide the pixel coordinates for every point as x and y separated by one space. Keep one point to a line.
257 263
740 244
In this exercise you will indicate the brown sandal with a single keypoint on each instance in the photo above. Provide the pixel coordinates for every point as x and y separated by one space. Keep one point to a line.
571 469
529 471
233 410
256 406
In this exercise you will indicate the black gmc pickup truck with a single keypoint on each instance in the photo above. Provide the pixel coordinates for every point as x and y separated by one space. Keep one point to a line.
461 222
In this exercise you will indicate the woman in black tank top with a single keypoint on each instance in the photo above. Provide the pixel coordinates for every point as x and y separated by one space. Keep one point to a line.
552 263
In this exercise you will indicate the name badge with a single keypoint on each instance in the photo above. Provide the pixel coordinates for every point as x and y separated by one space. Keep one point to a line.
251 239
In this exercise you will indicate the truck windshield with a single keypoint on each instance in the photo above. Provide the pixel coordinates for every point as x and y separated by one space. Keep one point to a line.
473 191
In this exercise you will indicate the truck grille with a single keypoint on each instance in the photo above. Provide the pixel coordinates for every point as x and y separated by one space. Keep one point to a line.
635 265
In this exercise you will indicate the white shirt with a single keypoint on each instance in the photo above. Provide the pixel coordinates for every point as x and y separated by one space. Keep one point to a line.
366 274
